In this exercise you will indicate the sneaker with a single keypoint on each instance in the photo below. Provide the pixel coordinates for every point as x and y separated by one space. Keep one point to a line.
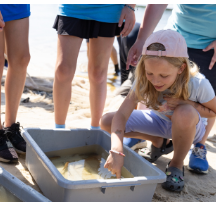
197 159
14 135
7 152
134 143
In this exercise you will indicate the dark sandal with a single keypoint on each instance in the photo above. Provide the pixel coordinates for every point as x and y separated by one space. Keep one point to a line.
154 153
175 179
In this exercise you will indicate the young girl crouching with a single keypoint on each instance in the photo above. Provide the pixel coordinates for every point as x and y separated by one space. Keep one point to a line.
177 96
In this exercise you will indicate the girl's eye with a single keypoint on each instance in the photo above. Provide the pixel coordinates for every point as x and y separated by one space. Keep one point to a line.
164 76
149 74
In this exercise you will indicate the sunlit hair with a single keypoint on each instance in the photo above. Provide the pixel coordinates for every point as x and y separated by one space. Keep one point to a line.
145 91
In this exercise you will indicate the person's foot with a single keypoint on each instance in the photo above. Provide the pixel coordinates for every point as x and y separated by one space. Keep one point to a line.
134 143
197 159
7 151
14 135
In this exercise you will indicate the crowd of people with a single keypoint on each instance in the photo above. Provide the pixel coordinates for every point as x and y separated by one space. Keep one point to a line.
168 78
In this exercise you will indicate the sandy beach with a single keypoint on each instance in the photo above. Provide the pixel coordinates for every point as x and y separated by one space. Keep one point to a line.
39 113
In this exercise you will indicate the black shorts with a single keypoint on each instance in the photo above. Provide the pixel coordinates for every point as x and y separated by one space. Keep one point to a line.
85 28
203 59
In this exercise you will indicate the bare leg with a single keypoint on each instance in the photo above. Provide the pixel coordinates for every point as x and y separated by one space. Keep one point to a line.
209 127
67 53
2 47
16 35
184 121
114 57
99 54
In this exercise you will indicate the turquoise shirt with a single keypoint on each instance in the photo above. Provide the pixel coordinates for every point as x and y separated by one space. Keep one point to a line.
195 22
14 11
100 12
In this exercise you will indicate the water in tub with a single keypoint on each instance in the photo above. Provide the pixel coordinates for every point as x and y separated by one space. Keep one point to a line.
6 196
84 163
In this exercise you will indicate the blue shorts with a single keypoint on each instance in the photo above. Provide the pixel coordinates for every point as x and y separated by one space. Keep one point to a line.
147 122
14 11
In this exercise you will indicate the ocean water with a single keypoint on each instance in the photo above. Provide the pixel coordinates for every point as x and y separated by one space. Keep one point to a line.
43 39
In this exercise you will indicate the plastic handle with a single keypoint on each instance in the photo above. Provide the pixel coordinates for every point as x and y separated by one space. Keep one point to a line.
132 187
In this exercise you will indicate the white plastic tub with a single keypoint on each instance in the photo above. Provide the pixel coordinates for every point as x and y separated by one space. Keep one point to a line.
19 189
58 189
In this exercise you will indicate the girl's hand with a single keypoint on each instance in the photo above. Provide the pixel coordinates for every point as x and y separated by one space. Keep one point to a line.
128 15
209 47
2 24
172 103
114 164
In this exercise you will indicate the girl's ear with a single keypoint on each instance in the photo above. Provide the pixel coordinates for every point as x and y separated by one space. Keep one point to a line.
181 69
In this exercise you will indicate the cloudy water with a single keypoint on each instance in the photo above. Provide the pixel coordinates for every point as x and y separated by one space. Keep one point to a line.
84 163
6 196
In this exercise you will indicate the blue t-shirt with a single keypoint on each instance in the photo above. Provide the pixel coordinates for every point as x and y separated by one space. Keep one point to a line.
195 22
100 12
14 11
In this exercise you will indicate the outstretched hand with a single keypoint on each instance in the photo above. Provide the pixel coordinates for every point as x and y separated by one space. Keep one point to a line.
134 54
114 164
128 15
209 47
2 24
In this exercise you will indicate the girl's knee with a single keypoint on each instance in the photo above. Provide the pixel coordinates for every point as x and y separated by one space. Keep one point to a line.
185 116
21 61
97 75
106 121
64 73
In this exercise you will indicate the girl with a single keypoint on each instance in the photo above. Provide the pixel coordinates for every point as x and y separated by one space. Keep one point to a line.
100 23
178 97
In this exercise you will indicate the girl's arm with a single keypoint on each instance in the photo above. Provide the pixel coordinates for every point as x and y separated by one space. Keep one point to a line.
115 161
207 110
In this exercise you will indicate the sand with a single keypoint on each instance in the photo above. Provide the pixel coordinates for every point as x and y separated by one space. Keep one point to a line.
39 113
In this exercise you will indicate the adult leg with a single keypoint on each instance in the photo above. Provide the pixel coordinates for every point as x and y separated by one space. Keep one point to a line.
99 54
16 35
67 53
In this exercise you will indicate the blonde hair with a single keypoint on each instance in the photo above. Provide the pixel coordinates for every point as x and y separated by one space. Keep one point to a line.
145 91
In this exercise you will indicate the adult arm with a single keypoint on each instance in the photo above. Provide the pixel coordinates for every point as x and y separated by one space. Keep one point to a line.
152 15
209 47
114 161
128 15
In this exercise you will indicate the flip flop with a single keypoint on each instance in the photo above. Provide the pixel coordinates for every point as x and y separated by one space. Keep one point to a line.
175 179
154 153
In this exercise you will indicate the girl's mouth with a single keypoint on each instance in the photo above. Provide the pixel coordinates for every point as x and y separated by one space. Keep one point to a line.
159 87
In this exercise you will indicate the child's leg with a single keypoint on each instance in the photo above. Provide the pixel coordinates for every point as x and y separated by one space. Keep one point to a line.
16 35
99 54
2 47
138 122
184 121
67 53
209 127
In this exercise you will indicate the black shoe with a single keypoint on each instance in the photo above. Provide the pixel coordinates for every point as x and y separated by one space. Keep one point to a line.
14 135
7 151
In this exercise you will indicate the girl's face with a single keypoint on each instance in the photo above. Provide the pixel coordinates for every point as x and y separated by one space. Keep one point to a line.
161 73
